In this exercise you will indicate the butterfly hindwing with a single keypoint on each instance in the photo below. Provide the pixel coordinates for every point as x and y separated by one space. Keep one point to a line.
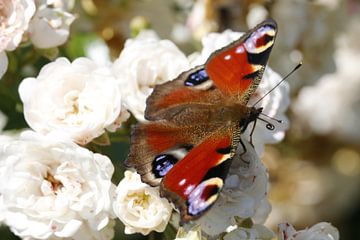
157 146
237 69
195 182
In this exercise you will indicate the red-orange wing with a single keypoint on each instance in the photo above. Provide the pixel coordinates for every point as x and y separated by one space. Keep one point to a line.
155 148
191 88
237 69
194 183
233 71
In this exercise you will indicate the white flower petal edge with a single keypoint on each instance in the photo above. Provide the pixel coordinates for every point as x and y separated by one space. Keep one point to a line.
3 63
145 62
274 105
244 194
50 26
139 206
320 231
256 232
192 234
3 121
52 188
78 99
15 18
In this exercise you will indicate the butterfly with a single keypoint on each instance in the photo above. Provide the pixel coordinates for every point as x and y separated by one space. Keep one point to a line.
196 121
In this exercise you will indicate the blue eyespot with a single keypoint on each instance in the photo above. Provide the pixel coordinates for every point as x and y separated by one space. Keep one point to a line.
162 164
196 78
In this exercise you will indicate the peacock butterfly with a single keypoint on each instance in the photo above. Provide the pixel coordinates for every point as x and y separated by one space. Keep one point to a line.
196 120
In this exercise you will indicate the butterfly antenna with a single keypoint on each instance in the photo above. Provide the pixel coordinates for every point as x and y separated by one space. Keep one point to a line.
269 125
295 68
275 119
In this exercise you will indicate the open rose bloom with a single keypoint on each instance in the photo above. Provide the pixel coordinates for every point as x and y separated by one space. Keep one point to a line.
52 188
140 207
15 16
79 99
50 26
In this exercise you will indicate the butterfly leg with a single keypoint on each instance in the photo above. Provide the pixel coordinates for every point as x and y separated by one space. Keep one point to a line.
243 153
252 133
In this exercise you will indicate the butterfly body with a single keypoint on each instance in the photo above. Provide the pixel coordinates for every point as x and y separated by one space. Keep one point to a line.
196 121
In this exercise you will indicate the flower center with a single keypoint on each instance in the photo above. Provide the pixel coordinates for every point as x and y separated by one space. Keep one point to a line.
140 199
55 184
74 108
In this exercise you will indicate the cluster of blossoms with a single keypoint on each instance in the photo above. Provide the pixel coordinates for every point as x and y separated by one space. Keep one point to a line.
45 22
52 187
330 90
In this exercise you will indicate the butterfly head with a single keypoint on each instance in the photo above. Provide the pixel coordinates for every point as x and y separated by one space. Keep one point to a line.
252 115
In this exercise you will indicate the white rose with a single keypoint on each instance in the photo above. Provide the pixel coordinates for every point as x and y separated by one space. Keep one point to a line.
143 63
52 188
78 99
244 194
201 19
320 231
274 105
50 25
140 206
15 18
214 41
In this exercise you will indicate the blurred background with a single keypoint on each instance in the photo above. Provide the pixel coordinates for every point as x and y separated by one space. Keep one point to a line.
315 171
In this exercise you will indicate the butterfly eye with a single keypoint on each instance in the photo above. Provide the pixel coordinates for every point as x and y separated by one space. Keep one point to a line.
196 78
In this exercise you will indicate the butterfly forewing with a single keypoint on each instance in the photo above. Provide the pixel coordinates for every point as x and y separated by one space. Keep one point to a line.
192 87
237 69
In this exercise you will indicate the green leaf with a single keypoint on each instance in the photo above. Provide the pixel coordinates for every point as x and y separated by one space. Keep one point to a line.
169 233
78 43
245 223
49 53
